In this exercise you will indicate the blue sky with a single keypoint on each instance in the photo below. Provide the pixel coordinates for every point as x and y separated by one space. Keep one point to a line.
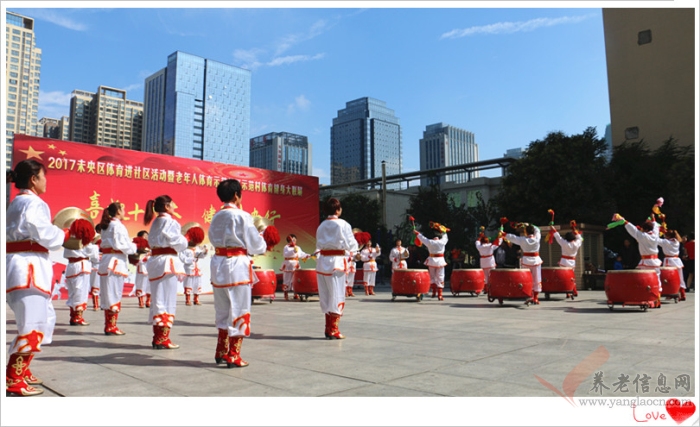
509 75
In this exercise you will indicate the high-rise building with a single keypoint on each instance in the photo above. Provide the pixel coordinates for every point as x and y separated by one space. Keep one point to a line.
282 152
55 128
652 80
106 118
198 108
365 134
23 72
444 145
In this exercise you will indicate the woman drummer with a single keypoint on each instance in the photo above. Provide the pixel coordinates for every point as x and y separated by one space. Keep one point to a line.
165 269
113 270
30 237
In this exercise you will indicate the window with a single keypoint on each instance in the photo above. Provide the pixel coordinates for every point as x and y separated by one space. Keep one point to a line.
632 133
644 37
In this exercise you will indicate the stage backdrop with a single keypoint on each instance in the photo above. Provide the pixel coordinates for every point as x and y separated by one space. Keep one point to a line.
91 177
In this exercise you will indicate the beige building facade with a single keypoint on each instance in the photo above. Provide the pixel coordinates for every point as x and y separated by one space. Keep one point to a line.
650 56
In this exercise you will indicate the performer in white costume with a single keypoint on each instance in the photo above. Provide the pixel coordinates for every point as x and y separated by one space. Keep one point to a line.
292 254
235 238
78 281
334 239
436 261
398 256
529 242
113 269
486 250
369 255
670 243
570 244
165 269
30 237
142 286
193 274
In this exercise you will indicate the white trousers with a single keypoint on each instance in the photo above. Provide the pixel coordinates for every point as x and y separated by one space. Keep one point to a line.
33 312
331 292
536 272
194 283
370 277
163 297
437 276
232 309
288 281
142 284
78 290
111 288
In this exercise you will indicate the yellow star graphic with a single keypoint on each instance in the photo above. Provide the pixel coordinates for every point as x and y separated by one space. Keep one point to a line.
51 146
32 153
62 152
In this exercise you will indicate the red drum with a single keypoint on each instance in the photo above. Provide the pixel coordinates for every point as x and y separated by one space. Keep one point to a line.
670 283
467 280
305 283
557 280
510 283
359 279
266 286
632 287
410 283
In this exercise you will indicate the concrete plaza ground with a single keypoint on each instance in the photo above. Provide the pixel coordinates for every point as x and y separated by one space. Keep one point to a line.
463 346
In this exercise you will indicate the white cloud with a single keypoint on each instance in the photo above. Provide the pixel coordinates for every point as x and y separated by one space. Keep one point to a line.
513 27
54 98
133 87
288 41
320 173
59 19
284 60
300 103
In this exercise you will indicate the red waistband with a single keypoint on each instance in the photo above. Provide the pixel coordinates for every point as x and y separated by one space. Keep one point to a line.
292 259
531 254
163 251
24 246
331 252
568 257
76 259
650 256
228 252
437 255
484 256
110 251
671 256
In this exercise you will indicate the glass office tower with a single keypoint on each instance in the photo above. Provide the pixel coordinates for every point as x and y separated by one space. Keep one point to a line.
444 145
282 152
363 135
198 108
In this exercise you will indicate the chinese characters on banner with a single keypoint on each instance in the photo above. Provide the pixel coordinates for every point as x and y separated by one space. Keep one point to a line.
91 177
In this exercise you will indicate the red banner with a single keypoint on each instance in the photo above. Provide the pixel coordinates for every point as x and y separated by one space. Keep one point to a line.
91 177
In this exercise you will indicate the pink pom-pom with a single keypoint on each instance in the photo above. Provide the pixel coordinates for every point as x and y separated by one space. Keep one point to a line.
660 201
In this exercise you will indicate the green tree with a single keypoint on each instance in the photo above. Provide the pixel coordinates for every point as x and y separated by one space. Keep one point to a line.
568 174
640 176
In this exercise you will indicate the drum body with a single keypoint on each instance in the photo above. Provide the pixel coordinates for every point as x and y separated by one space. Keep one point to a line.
510 283
410 283
467 280
305 282
266 285
558 280
670 282
632 287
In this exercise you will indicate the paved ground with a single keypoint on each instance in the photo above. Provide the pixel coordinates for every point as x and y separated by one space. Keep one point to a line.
463 346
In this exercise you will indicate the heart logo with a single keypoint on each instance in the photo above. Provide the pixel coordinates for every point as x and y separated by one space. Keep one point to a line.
679 412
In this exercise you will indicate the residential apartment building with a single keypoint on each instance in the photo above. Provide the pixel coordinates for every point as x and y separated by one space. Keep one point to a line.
107 118
364 135
444 145
22 77
198 108
282 152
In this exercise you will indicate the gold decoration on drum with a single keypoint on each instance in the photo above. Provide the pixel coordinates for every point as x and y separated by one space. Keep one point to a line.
65 217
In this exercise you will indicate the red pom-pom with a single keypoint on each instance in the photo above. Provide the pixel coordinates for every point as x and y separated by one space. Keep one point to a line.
504 221
83 230
141 244
362 237
195 236
271 236
417 242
